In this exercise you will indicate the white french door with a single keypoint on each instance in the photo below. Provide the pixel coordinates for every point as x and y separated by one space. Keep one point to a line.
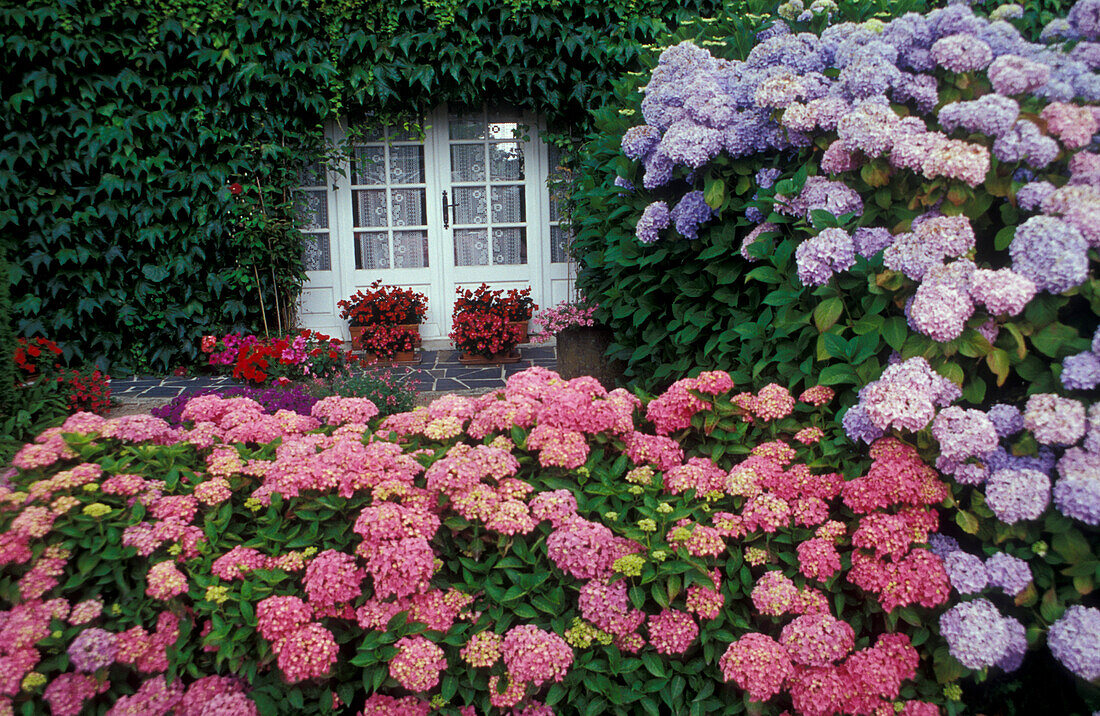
464 202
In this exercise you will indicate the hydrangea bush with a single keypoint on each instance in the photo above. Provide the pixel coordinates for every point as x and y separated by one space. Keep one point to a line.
918 196
548 548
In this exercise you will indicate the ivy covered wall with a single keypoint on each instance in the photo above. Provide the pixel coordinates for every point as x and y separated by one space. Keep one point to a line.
126 125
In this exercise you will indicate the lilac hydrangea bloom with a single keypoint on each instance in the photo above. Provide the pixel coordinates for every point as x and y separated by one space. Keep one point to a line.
858 426
869 128
654 218
939 311
1007 419
963 433
930 242
942 545
1081 371
1054 420
658 170
93 649
821 256
640 141
624 183
1002 292
1009 573
1077 492
961 53
1084 18
1075 641
1031 195
1016 495
971 473
906 396
991 114
1016 647
690 144
1024 142
766 177
691 211
976 633
1051 253
869 240
966 572
1013 74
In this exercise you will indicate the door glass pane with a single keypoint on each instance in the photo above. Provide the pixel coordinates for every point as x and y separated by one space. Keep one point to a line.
471 247
559 245
407 207
312 209
312 175
372 250
470 207
315 252
406 165
369 207
508 204
505 161
467 162
466 126
506 130
509 246
410 249
369 166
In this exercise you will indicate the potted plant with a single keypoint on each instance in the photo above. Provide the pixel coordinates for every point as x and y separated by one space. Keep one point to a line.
484 337
581 341
518 306
389 343
378 305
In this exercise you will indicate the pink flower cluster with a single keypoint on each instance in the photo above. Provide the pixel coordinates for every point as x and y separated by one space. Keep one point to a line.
305 648
671 411
418 663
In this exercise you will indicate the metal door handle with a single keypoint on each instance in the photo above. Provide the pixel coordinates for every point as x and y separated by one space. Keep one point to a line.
446 206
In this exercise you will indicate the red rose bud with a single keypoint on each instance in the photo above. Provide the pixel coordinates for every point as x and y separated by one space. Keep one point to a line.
235 188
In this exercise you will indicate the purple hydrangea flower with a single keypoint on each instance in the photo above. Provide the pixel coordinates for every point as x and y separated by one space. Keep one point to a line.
691 211
1088 53
966 572
654 218
930 242
819 257
754 214
971 473
1084 18
1016 495
869 240
658 170
1077 492
1031 195
1081 371
976 633
858 426
1054 420
1002 292
1075 641
868 77
93 649
906 396
991 114
963 433
624 183
1007 419
1024 142
1051 253
690 144
961 53
868 128
1011 574
640 141
766 177
942 545
1013 75
939 311
1016 647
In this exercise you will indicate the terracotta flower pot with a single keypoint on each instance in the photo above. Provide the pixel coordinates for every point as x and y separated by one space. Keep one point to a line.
522 325
400 358
512 356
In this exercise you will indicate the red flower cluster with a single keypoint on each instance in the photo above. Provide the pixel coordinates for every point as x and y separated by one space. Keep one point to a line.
515 305
384 305
31 353
258 360
386 341
483 334
87 391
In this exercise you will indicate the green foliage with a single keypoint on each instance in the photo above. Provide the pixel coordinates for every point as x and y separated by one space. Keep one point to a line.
7 341
40 405
129 120
383 387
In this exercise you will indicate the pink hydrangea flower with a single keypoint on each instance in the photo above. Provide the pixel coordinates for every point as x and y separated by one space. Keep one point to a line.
418 663
758 664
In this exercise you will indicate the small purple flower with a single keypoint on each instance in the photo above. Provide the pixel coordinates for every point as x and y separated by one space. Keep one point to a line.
1075 641
971 473
1007 419
624 183
691 211
1016 647
1081 371
1084 18
1031 195
1011 574
942 545
963 433
766 177
93 649
976 633
1016 495
991 114
961 53
858 426
654 218
1077 492
966 572
1051 253
869 240
658 170
1054 420
640 141
819 257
